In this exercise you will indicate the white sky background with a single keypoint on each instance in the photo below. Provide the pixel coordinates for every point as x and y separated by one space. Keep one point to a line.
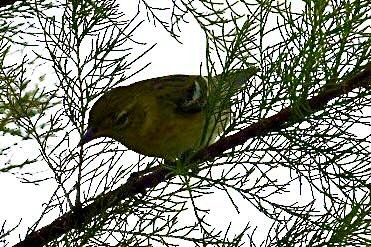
24 201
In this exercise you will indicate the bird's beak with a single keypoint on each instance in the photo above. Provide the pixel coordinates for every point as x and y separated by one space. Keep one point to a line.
88 136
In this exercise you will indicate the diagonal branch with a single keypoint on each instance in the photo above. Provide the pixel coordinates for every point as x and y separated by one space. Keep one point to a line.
75 219
279 120
4 3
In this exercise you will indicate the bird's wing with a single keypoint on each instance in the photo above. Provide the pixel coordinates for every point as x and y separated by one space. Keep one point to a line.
185 93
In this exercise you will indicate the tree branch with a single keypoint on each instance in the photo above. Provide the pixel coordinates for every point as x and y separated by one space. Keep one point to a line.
75 219
4 3
278 121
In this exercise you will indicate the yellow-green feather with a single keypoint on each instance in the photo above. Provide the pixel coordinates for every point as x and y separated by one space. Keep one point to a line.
165 116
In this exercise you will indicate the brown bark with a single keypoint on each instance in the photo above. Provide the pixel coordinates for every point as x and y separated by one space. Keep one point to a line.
7 2
75 219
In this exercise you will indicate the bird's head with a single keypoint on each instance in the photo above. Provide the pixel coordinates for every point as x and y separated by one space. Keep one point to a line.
112 116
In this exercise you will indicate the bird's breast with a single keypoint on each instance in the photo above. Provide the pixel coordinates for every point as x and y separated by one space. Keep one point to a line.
167 136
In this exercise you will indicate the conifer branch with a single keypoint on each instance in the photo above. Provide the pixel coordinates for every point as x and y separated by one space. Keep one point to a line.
4 3
76 219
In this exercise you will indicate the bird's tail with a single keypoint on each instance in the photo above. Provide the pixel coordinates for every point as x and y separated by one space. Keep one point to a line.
238 77
220 91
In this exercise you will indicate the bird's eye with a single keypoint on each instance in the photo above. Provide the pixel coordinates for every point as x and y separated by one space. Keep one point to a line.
122 118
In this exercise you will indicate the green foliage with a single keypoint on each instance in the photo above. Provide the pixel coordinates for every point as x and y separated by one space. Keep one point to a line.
22 101
17 103
309 176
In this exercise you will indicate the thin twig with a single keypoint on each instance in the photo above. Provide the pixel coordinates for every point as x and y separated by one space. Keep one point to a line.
75 219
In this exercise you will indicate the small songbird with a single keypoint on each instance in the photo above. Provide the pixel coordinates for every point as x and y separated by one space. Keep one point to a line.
161 117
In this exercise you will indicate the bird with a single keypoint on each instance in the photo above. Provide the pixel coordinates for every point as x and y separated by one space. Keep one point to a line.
164 117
